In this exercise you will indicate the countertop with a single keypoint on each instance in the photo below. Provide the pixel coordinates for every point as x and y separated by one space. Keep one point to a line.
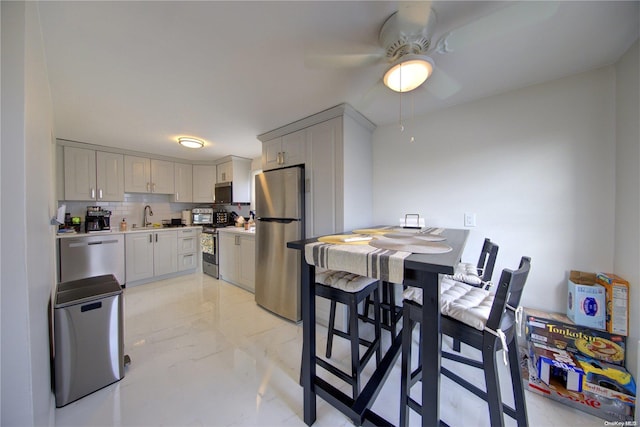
129 231
237 230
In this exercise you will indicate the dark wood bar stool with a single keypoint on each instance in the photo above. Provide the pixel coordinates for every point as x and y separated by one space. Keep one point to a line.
483 320
390 311
483 270
479 275
350 289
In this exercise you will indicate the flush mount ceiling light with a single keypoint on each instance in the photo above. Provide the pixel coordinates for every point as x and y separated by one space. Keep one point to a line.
190 142
408 72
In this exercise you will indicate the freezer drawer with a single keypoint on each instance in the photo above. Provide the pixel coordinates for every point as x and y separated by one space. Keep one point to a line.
278 268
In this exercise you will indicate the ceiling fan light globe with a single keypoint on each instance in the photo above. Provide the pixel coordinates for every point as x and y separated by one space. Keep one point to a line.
408 73
191 142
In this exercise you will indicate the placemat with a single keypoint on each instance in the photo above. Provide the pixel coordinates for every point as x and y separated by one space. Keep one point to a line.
412 245
346 239
420 236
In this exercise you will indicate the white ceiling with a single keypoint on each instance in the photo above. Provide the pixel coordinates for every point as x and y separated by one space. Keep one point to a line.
137 75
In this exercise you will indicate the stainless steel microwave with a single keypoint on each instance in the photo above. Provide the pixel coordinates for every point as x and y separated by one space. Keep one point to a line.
223 193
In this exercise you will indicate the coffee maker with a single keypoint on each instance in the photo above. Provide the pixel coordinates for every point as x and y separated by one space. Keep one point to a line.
97 220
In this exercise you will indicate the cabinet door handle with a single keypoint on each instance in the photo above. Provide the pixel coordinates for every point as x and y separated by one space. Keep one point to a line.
156 237
100 194
282 158
148 187
153 187
150 238
177 195
93 193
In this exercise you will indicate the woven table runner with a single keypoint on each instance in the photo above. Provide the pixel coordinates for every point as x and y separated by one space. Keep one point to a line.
365 260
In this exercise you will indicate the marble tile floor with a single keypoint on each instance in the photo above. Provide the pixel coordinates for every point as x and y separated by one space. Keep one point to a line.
204 354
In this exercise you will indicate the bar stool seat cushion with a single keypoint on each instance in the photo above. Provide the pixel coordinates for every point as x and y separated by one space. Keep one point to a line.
463 302
415 294
348 282
468 304
467 273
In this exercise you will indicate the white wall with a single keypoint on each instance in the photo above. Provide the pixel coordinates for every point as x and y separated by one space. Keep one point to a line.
627 228
536 165
27 204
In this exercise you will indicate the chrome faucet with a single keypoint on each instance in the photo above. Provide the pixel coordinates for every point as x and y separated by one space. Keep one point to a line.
145 220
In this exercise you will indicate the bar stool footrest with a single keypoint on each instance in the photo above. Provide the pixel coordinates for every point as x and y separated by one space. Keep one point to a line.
475 390
335 371
462 359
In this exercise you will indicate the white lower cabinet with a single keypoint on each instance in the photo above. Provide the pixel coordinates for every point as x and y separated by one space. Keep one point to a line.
188 241
150 254
238 258
165 253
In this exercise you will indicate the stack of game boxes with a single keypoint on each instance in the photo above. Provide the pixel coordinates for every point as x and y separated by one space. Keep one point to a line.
568 359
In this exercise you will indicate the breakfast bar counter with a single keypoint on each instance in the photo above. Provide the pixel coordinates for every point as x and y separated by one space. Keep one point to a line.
419 270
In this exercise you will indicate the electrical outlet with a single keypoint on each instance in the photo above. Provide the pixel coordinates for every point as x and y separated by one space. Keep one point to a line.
469 219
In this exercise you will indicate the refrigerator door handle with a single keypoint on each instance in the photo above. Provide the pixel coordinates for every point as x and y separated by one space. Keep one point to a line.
279 220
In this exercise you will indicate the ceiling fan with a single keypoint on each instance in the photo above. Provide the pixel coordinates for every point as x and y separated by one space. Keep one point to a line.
406 44
405 39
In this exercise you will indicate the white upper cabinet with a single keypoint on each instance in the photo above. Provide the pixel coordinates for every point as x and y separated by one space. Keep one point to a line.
287 150
162 177
137 174
79 174
143 175
183 183
237 171
93 175
224 172
204 182
335 147
110 176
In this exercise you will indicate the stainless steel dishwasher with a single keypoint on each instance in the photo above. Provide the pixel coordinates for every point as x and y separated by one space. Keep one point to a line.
89 256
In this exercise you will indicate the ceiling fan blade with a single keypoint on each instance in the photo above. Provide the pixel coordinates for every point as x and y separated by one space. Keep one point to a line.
375 92
342 55
346 60
499 23
413 15
441 85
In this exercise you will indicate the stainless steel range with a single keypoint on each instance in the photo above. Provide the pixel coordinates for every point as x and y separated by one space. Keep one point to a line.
210 220
209 245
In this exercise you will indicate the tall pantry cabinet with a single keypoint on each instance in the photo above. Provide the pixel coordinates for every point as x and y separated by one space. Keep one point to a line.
336 145
338 160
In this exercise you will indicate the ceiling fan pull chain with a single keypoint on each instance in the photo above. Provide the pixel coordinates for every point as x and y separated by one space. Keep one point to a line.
412 139
400 119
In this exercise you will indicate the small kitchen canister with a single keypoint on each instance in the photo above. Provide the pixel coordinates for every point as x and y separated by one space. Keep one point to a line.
186 216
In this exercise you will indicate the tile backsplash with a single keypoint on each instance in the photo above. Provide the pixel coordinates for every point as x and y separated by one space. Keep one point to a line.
133 205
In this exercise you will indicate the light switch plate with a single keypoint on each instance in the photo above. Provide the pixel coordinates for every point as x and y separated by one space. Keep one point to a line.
469 219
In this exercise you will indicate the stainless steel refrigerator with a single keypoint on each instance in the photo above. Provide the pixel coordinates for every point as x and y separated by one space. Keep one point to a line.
279 219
